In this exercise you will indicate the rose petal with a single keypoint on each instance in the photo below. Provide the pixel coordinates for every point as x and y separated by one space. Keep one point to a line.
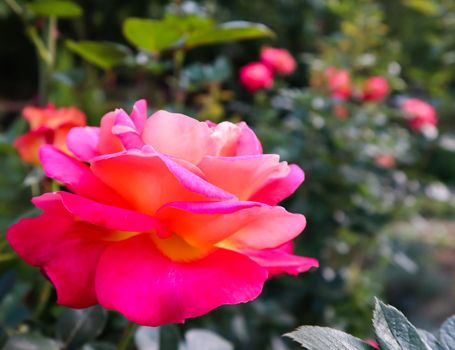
108 216
83 142
244 176
277 189
149 181
77 176
28 144
139 115
179 136
281 260
108 142
134 278
66 250
232 224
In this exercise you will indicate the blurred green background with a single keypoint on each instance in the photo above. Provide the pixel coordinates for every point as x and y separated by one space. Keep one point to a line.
377 231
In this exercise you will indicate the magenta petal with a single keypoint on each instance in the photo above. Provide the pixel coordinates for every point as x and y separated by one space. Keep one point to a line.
83 142
109 217
275 190
126 130
281 260
139 115
76 176
134 278
66 250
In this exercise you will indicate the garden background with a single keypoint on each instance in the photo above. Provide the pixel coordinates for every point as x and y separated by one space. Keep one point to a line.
378 196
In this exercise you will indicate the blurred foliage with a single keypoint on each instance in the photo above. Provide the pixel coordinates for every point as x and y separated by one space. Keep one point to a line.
184 56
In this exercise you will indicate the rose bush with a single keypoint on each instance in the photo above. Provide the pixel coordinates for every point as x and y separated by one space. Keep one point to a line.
48 125
170 219
422 116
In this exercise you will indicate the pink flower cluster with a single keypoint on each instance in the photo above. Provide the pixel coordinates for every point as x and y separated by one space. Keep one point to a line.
422 116
166 217
259 75
338 82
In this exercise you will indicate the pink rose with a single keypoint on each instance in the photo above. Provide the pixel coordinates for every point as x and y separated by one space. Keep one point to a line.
167 218
421 115
338 83
48 125
255 76
375 89
279 61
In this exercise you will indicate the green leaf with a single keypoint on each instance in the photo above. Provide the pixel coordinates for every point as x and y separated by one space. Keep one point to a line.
447 334
228 32
203 339
7 282
394 331
189 23
57 8
104 54
430 339
31 342
151 35
323 338
77 327
169 337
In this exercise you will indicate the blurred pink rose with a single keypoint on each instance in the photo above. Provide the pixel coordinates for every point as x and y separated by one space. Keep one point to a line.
48 125
255 76
338 82
421 115
385 160
375 89
280 61
167 218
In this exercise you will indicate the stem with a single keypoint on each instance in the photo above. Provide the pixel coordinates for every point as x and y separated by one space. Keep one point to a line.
42 299
15 7
126 336
179 57
46 67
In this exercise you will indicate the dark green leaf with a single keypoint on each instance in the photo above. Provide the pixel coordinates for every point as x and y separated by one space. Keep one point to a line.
102 53
12 307
323 338
169 337
429 338
228 32
6 283
57 8
31 342
447 334
394 331
151 35
77 327
203 339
